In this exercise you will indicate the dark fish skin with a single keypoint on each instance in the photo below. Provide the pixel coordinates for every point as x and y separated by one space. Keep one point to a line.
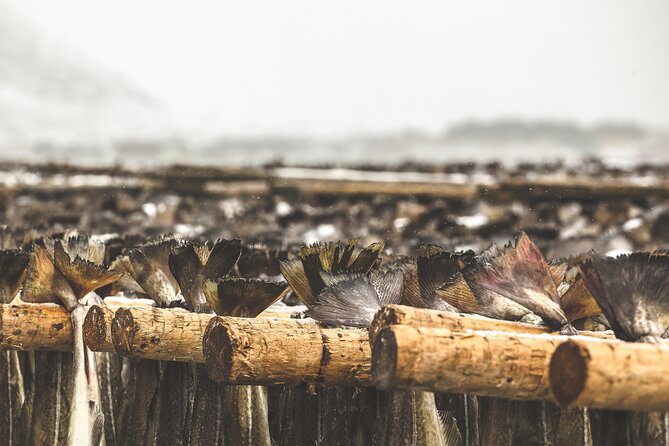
12 399
328 415
108 367
465 409
648 428
529 423
296 420
176 393
609 427
140 409
569 426
539 423
260 261
371 405
496 426
413 420
340 415
51 395
245 408
206 425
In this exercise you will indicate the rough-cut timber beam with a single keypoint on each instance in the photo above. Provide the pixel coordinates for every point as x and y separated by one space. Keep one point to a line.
35 327
611 374
420 317
279 351
491 363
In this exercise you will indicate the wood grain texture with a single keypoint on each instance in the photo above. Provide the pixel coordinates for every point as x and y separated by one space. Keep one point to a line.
280 351
611 374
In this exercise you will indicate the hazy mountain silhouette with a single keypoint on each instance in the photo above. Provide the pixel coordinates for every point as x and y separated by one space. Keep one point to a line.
48 94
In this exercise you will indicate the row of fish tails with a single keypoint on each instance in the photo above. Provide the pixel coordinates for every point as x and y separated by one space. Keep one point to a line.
35 387
85 398
513 283
342 285
149 402
184 406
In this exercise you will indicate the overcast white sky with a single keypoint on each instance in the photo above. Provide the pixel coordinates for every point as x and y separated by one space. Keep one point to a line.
326 68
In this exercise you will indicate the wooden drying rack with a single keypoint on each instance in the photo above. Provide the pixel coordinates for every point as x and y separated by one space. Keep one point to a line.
411 348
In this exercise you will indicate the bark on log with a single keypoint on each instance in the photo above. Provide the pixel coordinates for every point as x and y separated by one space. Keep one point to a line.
285 351
420 317
28 326
500 364
611 374
157 333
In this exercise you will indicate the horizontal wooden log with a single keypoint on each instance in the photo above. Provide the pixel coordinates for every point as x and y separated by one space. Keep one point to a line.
611 374
158 333
420 317
348 187
285 351
500 364
27 326
235 181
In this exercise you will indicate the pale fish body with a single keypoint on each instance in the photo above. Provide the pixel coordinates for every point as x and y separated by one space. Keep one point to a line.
86 420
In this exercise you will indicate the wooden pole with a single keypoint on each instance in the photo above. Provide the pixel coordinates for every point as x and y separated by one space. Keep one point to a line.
420 317
500 364
29 326
284 351
611 374
157 333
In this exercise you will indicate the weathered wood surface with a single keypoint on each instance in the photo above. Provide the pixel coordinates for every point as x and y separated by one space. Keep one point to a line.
611 374
280 351
420 317
27 326
491 363
157 333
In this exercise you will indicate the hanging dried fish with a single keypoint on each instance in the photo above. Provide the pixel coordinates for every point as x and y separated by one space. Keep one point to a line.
233 296
632 292
517 277
13 425
408 417
303 272
149 266
246 406
191 271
